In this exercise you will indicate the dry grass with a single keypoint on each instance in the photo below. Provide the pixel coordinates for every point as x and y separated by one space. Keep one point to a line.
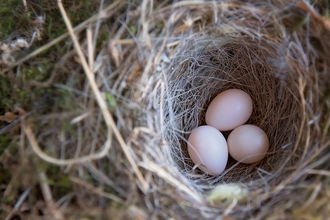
132 102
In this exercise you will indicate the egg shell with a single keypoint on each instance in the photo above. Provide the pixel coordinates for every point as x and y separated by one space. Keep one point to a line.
248 144
207 148
229 110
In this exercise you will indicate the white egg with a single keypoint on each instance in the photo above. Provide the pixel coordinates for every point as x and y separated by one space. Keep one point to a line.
229 110
207 148
248 144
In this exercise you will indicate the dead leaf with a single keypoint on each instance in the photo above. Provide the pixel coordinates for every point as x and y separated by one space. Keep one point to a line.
8 117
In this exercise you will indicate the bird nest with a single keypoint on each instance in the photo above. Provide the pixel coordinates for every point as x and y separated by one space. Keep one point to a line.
154 79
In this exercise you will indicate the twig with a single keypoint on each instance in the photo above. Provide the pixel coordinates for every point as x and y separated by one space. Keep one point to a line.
230 208
90 48
96 190
35 146
313 196
46 192
170 179
19 202
318 172
199 3
101 102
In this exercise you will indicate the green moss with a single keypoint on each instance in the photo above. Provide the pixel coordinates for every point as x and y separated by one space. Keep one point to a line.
13 18
111 100
132 28
77 11
4 142
5 176
39 72
67 127
59 182
5 95
101 41
18 22
22 95
64 99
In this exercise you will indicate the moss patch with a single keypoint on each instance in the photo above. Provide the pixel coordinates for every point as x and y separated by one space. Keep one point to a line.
13 18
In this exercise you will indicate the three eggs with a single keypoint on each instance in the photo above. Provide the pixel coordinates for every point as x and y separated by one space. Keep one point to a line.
208 148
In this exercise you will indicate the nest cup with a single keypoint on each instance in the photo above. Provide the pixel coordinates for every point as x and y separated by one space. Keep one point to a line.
208 65
276 70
